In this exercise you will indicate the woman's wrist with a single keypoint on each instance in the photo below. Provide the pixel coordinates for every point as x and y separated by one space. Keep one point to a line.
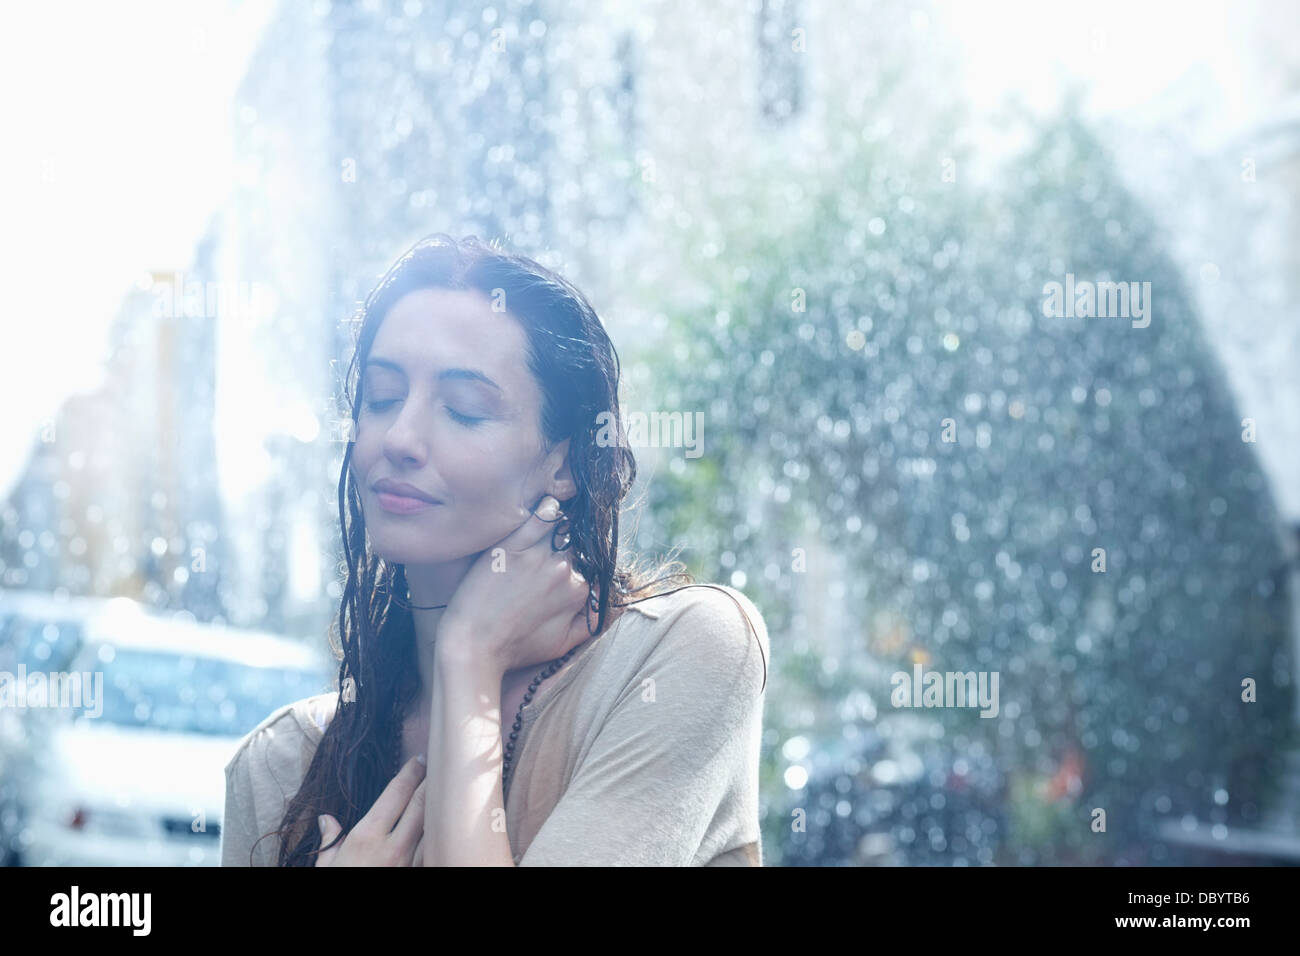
460 649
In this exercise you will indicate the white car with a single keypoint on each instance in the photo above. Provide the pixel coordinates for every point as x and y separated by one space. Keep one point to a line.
39 632
135 775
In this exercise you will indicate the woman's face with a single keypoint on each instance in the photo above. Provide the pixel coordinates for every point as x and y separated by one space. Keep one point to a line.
450 406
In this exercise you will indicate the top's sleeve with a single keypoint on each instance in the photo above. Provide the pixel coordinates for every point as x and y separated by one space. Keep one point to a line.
269 760
677 739
239 817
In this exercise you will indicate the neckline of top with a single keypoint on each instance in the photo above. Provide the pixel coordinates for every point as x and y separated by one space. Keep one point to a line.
548 688
320 709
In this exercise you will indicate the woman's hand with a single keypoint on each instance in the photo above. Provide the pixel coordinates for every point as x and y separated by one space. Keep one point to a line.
523 607
390 834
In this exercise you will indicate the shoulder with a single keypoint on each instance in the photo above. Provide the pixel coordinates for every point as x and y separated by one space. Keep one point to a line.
285 732
711 629
716 609
266 768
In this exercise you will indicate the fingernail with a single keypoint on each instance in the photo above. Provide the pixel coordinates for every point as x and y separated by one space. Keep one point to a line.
421 759
549 509
320 822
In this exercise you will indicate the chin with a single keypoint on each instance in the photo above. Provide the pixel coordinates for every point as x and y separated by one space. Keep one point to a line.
409 557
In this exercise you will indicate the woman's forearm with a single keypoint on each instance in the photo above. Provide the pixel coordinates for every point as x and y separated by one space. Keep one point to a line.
464 817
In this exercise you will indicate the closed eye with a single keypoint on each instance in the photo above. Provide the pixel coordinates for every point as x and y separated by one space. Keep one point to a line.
468 421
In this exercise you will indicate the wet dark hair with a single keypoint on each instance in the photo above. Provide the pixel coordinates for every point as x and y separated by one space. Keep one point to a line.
577 368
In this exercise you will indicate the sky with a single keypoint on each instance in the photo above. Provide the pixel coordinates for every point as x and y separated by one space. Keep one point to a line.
116 119
1128 51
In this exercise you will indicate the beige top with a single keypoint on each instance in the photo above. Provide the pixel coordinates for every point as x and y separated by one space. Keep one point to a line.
643 750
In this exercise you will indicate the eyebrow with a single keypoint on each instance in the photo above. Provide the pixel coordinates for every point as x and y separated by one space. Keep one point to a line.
469 374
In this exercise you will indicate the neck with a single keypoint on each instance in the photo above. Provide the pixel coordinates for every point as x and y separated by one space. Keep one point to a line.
432 584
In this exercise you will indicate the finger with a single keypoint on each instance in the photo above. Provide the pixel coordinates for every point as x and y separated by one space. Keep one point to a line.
388 808
329 829
580 629
581 590
417 858
584 596
411 825
540 525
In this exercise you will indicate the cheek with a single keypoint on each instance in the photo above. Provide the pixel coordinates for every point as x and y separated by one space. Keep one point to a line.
493 481
477 475
363 456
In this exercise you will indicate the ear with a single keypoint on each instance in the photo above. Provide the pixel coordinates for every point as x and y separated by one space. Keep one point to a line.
559 479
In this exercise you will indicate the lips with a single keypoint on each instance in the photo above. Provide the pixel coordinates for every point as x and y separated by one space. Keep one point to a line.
404 490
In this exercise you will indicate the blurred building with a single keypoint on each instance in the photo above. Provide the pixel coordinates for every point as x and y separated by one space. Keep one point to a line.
120 497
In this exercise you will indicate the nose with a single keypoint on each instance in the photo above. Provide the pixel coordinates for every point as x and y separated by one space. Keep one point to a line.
403 442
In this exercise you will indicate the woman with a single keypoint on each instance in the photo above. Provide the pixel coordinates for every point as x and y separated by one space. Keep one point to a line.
570 709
